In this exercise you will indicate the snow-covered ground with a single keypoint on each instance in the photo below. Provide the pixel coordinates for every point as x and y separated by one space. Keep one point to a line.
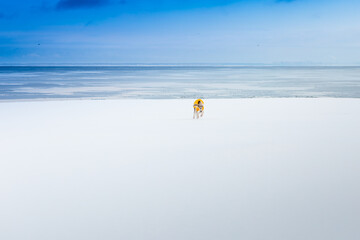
144 169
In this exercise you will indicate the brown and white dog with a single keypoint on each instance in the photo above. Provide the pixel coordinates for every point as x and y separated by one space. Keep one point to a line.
198 108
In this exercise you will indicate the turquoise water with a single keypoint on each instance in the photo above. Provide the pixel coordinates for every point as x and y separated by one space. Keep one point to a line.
156 82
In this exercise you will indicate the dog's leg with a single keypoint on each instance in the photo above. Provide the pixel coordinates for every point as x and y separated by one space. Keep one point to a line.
194 114
202 113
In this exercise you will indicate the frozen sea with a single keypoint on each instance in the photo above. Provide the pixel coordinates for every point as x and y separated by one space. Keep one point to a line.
174 82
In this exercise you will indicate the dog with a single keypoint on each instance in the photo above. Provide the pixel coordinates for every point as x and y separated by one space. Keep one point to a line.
198 108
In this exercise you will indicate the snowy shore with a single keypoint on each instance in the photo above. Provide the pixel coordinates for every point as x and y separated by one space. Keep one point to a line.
144 169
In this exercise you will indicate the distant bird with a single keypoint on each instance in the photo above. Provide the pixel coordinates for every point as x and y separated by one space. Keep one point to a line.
38 44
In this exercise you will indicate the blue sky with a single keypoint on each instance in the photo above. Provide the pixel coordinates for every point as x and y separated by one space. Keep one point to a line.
180 31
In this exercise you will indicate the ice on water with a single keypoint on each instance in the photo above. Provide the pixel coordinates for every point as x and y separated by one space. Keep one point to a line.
156 82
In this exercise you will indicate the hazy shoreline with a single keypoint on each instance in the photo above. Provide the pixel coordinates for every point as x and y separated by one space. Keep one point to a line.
177 82
2 101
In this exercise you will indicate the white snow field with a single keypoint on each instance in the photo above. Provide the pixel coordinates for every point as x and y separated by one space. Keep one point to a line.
266 169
